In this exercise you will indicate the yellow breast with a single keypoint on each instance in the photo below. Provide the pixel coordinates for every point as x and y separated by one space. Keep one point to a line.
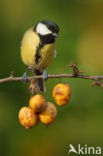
47 55
29 46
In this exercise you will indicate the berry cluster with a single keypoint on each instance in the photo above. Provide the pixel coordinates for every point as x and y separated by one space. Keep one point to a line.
41 110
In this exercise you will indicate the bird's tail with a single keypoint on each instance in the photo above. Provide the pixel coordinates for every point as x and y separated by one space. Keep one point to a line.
39 82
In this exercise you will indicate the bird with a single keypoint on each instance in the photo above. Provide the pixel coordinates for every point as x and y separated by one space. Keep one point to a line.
38 48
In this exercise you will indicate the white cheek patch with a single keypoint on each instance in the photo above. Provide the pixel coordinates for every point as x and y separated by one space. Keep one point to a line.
42 29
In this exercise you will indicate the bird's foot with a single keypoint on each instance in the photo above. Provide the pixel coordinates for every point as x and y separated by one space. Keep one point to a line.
45 75
24 77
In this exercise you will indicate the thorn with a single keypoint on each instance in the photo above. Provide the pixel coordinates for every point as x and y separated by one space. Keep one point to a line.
81 71
93 84
76 72
12 74
66 66
97 83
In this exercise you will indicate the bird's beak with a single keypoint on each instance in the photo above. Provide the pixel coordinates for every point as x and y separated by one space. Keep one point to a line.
54 34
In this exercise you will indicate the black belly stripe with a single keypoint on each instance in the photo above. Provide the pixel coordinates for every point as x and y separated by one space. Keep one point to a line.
44 39
37 55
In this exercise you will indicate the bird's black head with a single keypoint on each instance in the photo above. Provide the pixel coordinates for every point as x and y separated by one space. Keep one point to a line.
47 30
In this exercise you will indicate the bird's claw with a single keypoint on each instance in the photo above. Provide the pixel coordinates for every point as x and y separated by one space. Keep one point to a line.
45 75
24 77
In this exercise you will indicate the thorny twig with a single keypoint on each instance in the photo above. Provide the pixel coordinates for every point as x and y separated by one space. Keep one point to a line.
75 74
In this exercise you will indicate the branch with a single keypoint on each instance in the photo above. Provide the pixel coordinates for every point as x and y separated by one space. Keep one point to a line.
15 79
76 74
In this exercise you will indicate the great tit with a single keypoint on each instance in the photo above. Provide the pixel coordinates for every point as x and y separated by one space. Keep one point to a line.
38 48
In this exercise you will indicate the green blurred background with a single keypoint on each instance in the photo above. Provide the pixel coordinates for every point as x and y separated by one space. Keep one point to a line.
80 40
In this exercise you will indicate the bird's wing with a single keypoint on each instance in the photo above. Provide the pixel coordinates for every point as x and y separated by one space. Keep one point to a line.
55 54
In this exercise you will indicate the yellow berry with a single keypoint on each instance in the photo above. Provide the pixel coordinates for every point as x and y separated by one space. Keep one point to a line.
61 94
27 117
49 114
37 103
